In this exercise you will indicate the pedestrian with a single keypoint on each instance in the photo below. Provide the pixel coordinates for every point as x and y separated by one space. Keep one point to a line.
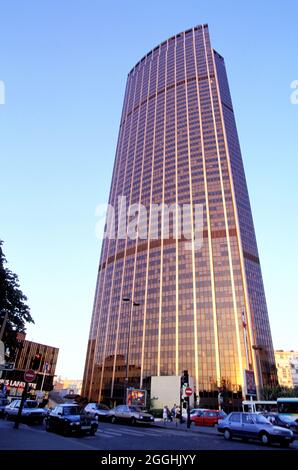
178 414
174 413
169 415
165 414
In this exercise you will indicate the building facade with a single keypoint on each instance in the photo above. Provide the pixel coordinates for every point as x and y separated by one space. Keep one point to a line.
167 301
25 355
287 368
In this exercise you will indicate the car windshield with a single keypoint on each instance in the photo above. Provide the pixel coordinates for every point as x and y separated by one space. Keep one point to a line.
102 407
285 419
72 410
31 404
261 419
135 408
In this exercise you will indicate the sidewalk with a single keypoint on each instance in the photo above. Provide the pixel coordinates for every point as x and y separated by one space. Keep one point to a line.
182 427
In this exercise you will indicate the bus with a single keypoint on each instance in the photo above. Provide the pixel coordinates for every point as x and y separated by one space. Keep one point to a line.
252 406
288 406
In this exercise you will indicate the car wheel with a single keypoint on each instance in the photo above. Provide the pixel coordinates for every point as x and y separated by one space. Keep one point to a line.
113 419
133 421
264 438
227 435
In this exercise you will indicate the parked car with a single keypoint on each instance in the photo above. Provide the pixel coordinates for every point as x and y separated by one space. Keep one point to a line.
98 410
195 411
31 412
283 421
70 419
3 404
48 410
254 426
131 414
207 417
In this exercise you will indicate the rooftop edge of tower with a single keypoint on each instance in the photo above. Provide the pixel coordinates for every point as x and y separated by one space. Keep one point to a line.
172 38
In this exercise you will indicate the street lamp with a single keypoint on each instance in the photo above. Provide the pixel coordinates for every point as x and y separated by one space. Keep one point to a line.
258 350
133 304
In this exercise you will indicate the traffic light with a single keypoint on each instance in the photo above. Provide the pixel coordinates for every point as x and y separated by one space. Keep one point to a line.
185 378
184 383
36 360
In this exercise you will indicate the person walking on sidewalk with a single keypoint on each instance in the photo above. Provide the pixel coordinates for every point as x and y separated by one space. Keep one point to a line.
178 414
174 413
165 414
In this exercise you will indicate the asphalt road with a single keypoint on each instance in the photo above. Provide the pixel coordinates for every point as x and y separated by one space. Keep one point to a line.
121 437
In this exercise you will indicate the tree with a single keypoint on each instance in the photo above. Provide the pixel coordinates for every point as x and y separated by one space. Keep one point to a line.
278 391
13 305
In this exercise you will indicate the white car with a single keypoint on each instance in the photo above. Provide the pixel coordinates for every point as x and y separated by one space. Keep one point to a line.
131 414
30 412
98 410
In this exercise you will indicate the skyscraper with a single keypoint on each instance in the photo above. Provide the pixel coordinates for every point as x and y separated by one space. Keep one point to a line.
164 304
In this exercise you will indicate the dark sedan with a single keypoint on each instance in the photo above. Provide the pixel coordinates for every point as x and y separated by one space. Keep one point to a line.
283 421
70 419
254 426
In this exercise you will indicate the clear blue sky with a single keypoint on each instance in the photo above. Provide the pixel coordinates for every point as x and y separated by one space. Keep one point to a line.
64 65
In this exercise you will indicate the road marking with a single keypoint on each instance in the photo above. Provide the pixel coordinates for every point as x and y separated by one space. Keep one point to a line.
109 436
131 432
134 433
112 433
128 432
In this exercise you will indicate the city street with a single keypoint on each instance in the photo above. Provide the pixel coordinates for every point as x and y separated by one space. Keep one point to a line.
122 437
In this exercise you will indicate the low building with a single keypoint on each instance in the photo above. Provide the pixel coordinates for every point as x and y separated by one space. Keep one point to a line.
165 390
30 354
69 386
287 368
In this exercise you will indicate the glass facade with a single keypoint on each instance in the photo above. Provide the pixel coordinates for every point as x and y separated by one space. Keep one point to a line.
202 310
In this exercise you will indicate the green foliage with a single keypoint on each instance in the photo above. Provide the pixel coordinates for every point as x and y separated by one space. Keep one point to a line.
274 392
13 303
156 412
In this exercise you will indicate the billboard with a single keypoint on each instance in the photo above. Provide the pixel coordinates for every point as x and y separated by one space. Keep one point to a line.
250 383
136 397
